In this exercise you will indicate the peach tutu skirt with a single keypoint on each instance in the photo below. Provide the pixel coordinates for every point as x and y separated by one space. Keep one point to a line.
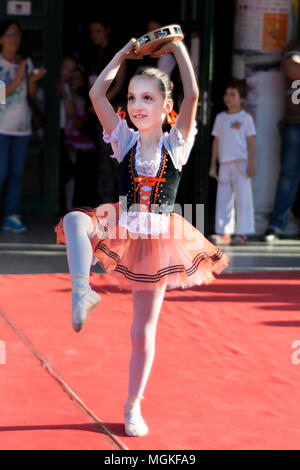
183 257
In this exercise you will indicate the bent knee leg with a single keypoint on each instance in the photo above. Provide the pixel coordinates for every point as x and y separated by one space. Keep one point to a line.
79 221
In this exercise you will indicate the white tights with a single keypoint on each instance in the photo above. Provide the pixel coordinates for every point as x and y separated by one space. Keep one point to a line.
78 228
146 308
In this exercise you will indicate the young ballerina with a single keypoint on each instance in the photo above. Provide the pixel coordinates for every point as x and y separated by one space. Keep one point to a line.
140 239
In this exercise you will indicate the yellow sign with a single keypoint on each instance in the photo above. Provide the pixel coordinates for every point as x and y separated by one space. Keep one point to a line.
262 25
274 32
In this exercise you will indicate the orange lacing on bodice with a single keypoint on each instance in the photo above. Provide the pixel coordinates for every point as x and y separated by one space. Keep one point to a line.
140 183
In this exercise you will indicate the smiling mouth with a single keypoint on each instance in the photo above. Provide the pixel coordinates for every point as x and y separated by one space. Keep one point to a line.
139 116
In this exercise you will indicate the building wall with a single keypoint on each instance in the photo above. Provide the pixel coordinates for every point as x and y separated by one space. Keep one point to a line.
262 30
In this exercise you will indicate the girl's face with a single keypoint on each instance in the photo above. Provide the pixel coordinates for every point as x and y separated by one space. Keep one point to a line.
99 34
232 98
146 105
11 39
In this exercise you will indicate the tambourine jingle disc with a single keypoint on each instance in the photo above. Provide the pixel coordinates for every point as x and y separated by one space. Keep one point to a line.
153 46
154 40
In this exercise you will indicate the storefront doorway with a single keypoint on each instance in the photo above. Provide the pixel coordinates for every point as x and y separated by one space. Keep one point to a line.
56 27
42 41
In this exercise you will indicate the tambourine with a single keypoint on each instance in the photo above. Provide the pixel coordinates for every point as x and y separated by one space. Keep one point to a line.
153 40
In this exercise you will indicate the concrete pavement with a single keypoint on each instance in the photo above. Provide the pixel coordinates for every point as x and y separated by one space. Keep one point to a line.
35 251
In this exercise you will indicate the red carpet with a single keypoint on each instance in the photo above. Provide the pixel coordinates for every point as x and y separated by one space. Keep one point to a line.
223 376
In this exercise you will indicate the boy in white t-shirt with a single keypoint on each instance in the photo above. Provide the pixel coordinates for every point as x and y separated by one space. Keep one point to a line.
234 147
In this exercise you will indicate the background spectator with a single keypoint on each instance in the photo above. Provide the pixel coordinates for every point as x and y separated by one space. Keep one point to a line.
82 150
289 177
15 118
103 47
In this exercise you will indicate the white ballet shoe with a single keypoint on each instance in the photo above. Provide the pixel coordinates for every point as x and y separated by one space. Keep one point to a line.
83 302
134 423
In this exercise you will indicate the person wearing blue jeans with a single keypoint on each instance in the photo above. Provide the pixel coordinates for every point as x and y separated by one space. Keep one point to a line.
13 150
15 118
289 177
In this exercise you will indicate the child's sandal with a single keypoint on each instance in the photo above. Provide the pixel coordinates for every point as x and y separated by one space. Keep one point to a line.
239 240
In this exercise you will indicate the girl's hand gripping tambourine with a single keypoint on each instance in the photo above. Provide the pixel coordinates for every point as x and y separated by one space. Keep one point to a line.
152 41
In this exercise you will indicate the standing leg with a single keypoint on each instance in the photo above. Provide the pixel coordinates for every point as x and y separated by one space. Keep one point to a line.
244 202
225 201
18 153
289 178
146 309
4 158
78 227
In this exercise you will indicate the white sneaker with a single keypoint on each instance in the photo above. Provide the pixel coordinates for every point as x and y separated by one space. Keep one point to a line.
83 302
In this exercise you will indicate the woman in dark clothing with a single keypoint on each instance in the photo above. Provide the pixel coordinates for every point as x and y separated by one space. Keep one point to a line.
98 57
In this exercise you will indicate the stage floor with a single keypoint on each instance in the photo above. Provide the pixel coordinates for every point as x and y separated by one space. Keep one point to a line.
225 376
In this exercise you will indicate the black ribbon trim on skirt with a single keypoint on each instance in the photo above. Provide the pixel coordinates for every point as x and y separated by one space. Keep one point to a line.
175 269
101 247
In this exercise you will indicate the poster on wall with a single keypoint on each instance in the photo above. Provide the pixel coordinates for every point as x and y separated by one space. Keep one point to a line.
261 26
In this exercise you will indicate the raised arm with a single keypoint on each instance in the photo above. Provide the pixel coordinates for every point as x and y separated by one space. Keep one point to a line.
98 93
118 83
188 108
